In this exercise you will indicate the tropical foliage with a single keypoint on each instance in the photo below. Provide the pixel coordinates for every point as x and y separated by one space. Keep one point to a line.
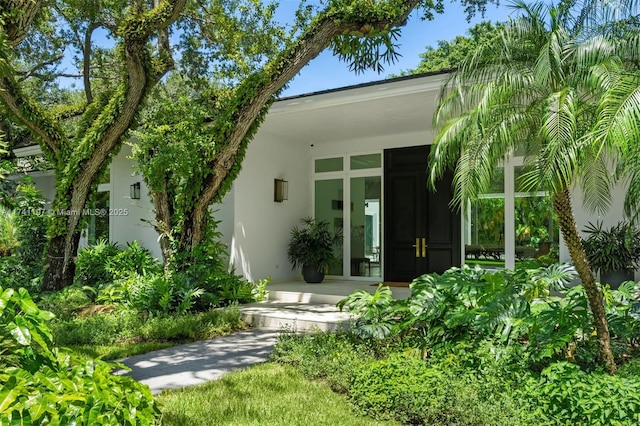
542 90
42 386
614 249
461 383
517 346
313 244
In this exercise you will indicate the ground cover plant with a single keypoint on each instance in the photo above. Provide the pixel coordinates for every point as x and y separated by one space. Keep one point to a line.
472 347
267 394
127 332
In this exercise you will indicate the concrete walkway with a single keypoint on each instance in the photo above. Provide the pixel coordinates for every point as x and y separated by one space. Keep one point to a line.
199 362
299 306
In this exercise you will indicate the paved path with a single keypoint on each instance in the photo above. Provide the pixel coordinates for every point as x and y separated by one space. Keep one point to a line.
200 362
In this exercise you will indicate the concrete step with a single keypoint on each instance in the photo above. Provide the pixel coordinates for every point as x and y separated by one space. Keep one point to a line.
303 297
296 316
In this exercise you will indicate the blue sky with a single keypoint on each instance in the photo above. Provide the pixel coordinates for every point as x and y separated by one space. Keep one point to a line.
327 72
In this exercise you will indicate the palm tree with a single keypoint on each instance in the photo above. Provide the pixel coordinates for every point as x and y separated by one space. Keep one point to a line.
539 90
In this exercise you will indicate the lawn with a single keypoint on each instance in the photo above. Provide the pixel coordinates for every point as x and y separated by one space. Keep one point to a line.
266 394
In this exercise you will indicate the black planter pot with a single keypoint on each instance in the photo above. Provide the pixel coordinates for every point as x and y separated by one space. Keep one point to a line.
615 278
311 274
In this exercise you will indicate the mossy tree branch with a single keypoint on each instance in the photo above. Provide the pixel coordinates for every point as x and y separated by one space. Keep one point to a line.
235 127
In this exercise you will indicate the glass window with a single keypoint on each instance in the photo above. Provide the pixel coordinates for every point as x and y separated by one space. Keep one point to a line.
366 226
329 207
368 161
105 177
536 231
484 226
99 222
324 165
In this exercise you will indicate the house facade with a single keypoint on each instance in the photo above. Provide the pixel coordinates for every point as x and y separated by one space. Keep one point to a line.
357 158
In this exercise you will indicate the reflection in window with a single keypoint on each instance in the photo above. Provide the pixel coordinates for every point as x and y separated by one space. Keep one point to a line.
324 165
366 226
329 207
484 226
99 219
537 235
367 161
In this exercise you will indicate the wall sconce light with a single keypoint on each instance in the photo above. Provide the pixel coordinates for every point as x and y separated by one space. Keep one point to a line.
134 191
280 190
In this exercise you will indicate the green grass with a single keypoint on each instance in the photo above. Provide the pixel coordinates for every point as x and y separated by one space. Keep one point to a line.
267 394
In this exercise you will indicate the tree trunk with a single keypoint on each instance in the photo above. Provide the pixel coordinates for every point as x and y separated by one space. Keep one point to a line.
58 272
567 223
164 209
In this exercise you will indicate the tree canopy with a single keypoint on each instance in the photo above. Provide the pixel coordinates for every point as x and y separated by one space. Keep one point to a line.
450 54
232 55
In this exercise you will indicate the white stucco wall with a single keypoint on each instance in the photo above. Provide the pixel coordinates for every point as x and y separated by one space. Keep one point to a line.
262 226
583 216
131 219
137 222
45 182
371 144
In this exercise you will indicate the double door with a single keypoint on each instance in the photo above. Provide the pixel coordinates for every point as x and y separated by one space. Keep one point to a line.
422 231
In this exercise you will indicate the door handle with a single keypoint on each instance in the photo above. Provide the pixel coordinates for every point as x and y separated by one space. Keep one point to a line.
422 246
417 246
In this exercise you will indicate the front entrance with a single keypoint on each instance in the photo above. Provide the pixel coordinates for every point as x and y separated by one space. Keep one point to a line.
421 233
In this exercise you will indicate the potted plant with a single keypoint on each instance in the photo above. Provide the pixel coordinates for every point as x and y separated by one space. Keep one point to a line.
311 247
614 252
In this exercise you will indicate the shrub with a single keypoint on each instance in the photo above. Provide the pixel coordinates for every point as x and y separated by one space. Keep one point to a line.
64 303
22 238
515 307
134 260
41 386
15 273
334 357
8 232
122 326
32 226
92 261
461 384
102 329
104 262
566 395
413 392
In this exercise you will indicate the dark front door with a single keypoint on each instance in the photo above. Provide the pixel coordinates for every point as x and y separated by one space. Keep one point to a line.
422 233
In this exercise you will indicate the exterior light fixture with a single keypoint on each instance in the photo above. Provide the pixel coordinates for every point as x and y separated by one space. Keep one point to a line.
280 190
134 191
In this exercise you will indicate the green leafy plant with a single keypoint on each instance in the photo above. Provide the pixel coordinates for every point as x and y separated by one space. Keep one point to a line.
121 327
260 291
614 249
312 244
32 225
92 261
8 232
41 386
376 314
134 259
565 394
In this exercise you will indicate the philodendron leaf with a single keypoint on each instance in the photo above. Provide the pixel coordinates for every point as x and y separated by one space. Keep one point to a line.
20 331
8 394
26 304
4 298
